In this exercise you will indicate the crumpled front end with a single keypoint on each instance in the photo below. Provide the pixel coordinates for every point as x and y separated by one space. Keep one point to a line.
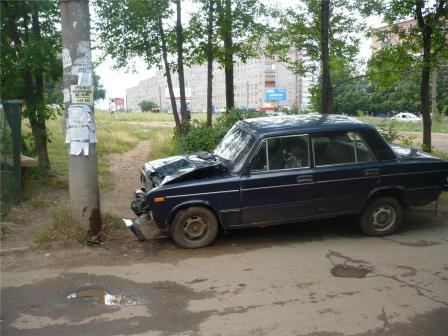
141 209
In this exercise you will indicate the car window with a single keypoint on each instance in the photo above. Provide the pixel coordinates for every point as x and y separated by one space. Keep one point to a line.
259 161
286 152
340 149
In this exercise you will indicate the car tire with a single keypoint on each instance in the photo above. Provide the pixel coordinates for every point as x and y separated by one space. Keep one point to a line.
194 227
381 217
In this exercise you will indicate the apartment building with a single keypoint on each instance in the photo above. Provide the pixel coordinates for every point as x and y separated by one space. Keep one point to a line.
253 81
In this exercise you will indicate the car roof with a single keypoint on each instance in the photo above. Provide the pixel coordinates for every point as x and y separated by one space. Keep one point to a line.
301 123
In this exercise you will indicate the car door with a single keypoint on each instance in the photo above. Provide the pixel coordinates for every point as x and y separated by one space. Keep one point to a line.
278 185
346 171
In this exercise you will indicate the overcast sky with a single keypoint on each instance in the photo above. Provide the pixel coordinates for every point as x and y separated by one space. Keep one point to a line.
116 81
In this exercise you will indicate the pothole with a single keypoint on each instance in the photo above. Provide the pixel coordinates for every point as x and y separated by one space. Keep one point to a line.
346 271
101 296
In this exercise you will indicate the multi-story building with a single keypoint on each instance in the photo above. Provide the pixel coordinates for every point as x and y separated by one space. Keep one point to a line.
253 80
390 39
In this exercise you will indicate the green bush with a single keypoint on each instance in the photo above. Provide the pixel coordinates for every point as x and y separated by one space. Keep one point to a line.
201 137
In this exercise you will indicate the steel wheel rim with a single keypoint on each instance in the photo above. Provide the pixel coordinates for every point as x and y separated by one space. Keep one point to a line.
195 228
383 217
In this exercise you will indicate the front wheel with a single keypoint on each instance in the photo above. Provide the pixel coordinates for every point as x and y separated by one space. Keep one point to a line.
381 217
194 227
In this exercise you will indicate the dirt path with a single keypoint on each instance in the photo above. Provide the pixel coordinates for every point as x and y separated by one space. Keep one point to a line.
125 169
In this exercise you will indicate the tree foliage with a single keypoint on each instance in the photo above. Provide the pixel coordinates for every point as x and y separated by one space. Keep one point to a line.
147 105
130 29
300 29
420 43
30 62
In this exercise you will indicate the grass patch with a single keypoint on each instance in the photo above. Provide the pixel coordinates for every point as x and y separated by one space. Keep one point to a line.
438 126
114 227
6 228
147 116
64 229
114 136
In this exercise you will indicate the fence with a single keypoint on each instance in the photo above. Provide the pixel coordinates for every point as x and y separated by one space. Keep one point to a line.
10 150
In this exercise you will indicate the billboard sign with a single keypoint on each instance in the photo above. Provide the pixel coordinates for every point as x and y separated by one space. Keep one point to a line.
275 94
119 102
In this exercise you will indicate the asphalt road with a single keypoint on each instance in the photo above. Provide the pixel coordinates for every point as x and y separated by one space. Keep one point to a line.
273 281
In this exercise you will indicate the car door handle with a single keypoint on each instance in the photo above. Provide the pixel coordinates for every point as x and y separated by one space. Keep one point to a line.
304 179
371 172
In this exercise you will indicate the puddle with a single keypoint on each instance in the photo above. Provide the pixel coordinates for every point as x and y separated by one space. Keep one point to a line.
100 296
345 271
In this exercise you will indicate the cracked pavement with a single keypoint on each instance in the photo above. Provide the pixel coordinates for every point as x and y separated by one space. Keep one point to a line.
272 281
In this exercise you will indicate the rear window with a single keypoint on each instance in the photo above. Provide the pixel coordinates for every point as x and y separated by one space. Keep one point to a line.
341 149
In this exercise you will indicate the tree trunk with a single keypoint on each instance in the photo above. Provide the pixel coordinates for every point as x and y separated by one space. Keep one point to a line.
424 89
326 94
228 55
180 66
38 127
168 77
209 62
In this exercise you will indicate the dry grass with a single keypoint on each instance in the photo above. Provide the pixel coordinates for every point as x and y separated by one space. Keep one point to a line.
64 229
114 227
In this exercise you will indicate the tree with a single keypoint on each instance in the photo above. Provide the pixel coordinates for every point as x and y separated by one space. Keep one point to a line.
147 105
422 44
100 91
180 63
241 25
202 44
30 44
324 30
326 92
135 28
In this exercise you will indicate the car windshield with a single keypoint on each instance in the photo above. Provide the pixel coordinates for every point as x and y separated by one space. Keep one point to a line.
234 146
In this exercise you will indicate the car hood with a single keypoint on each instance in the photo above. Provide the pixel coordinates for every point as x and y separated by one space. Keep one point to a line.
180 168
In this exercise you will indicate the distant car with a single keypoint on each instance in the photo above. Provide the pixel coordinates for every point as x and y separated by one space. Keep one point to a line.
287 169
275 113
407 117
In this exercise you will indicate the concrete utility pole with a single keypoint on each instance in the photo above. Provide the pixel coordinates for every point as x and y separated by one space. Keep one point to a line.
79 114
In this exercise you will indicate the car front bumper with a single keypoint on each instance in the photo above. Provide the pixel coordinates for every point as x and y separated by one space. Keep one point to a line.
135 226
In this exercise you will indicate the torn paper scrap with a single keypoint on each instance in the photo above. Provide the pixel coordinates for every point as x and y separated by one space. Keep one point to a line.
66 93
76 148
92 137
66 59
79 115
85 147
84 78
79 133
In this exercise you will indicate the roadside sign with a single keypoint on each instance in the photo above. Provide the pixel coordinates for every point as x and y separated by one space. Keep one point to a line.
275 94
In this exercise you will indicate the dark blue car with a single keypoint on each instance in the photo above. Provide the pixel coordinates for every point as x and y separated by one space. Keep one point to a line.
287 169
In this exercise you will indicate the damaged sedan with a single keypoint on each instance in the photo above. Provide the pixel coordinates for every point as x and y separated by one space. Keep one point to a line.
286 169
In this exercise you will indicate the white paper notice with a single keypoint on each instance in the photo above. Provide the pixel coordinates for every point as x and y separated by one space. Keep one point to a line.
66 93
78 115
66 59
92 137
84 78
79 133
75 148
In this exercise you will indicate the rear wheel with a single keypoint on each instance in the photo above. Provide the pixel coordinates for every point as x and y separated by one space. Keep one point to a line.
381 217
194 227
